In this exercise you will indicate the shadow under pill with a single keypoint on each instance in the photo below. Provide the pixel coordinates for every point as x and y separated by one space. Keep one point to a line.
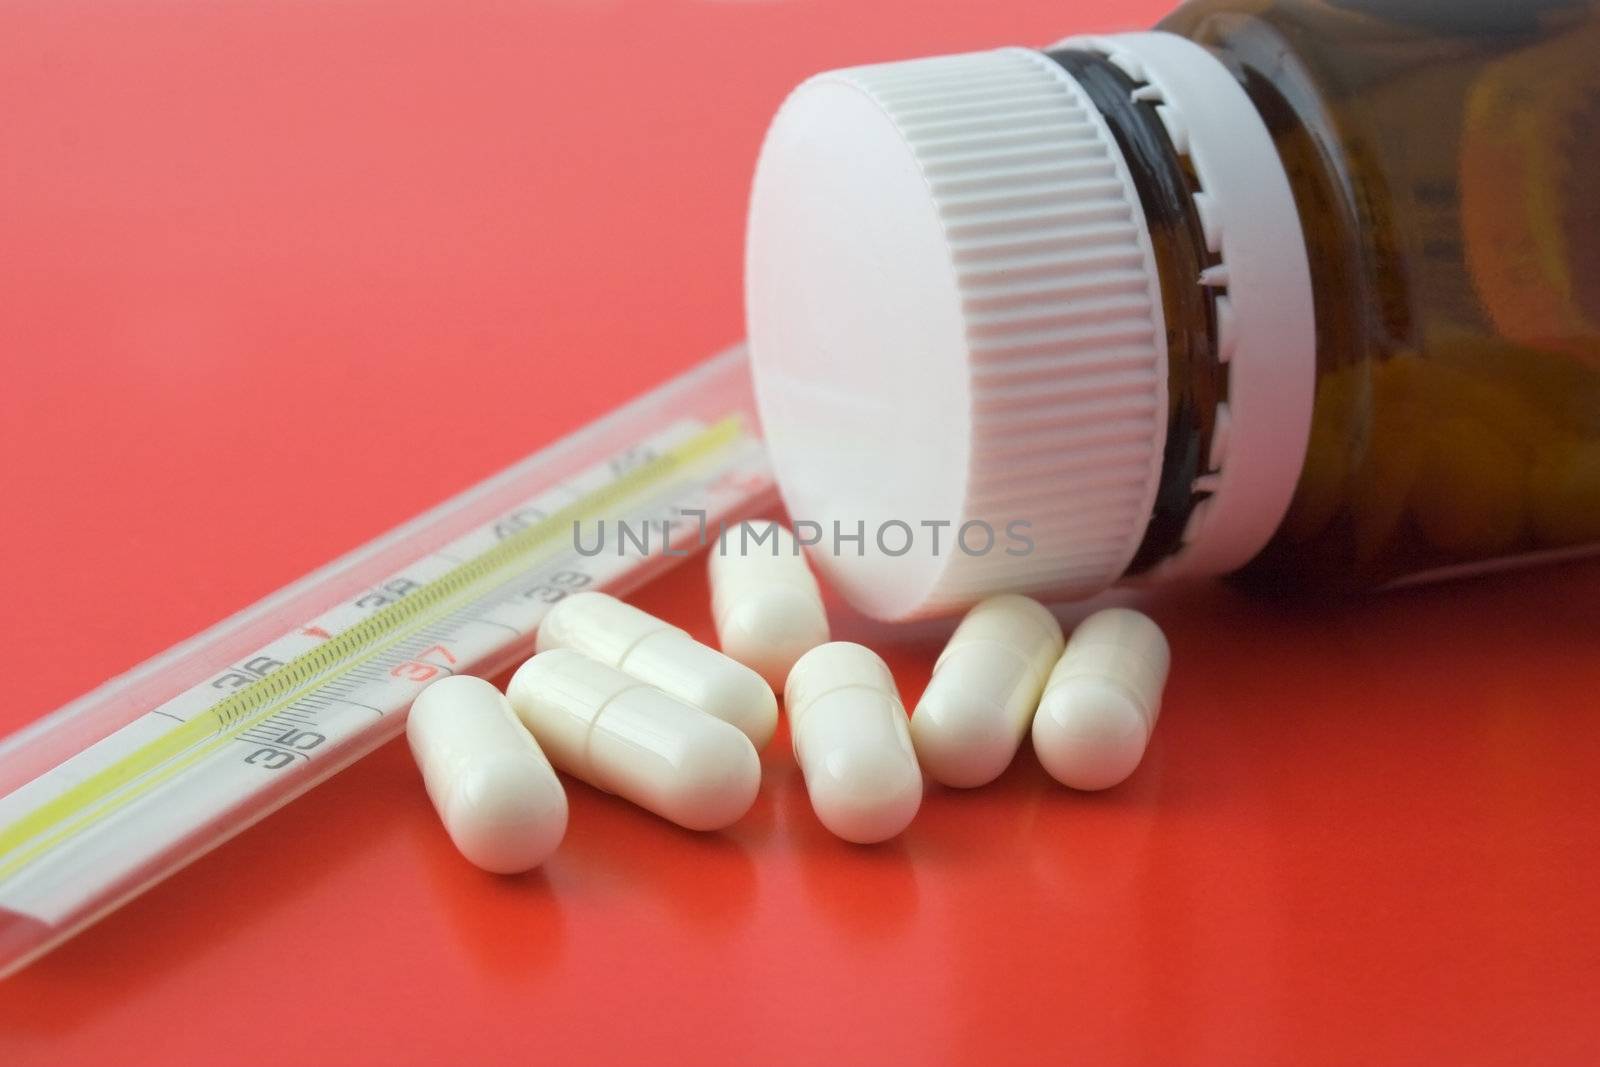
510 924
866 892
705 880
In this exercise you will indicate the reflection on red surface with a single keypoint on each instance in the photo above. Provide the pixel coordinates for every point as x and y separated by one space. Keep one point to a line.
1379 814
278 276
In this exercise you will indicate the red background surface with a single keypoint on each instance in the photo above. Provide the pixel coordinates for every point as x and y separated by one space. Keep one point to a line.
276 276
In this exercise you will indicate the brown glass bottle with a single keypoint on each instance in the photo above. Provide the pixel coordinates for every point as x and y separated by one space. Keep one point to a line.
1442 155
1306 291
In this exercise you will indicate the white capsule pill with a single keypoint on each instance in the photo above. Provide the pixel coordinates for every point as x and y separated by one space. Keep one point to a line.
764 599
659 654
500 801
852 744
1102 700
985 687
628 738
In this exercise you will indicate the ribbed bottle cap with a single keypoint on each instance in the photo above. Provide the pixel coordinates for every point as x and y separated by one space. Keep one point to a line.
955 318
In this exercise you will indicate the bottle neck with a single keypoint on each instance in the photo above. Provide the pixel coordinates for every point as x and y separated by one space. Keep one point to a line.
1196 376
1235 289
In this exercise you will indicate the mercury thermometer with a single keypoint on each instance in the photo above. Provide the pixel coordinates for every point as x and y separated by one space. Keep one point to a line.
126 785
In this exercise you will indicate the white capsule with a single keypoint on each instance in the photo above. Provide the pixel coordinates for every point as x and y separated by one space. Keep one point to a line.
496 793
852 744
628 738
765 600
984 690
659 654
1102 700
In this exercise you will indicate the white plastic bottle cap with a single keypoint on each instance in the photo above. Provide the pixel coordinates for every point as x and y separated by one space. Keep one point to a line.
956 317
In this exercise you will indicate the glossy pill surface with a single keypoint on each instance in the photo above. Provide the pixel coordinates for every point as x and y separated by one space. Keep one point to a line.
985 686
1102 700
625 737
659 654
493 788
765 600
852 742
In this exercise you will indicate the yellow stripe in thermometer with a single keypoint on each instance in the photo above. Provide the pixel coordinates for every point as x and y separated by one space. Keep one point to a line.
253 729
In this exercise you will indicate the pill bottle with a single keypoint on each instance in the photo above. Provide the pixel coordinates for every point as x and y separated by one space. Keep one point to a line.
1306 291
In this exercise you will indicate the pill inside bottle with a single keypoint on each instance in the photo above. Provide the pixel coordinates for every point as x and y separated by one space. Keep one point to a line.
493 788
660 654
852 742
625 737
